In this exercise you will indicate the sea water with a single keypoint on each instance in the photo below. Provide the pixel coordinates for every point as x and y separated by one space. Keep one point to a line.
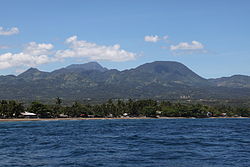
126 143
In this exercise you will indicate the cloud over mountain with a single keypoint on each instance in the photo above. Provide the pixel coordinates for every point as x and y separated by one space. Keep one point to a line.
32 55
92 51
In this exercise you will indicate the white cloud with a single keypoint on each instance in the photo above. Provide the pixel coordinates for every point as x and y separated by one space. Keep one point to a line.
32 55
194 45
92 51
11 31
38 49
151 38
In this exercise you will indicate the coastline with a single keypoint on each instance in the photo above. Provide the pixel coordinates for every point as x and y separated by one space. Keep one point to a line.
72 119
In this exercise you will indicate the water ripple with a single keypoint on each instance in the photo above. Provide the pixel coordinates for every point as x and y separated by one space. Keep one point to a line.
126 143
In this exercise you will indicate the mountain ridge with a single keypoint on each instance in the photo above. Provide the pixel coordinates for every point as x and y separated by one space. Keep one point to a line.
106 69
235 81
159 80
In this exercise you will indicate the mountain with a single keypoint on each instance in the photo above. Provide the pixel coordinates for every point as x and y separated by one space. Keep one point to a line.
158 80
33 74
163 72
235 81
87 67
78 69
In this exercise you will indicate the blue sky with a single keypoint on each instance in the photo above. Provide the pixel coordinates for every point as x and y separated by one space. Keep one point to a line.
210 37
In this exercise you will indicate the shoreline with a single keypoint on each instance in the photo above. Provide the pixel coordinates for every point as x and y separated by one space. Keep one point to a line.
75 119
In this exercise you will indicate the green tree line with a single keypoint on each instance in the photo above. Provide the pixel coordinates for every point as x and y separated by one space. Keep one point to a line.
119 108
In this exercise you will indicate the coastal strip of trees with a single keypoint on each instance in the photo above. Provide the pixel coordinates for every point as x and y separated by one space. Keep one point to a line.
118 108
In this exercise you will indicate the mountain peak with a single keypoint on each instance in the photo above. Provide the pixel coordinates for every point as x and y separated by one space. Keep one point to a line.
32 73
165 67
30 70
88 67
171 71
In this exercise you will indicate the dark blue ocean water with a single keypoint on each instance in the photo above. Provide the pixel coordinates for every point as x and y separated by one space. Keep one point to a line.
128 143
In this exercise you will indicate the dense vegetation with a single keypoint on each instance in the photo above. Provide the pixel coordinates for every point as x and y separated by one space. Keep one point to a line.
118 108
